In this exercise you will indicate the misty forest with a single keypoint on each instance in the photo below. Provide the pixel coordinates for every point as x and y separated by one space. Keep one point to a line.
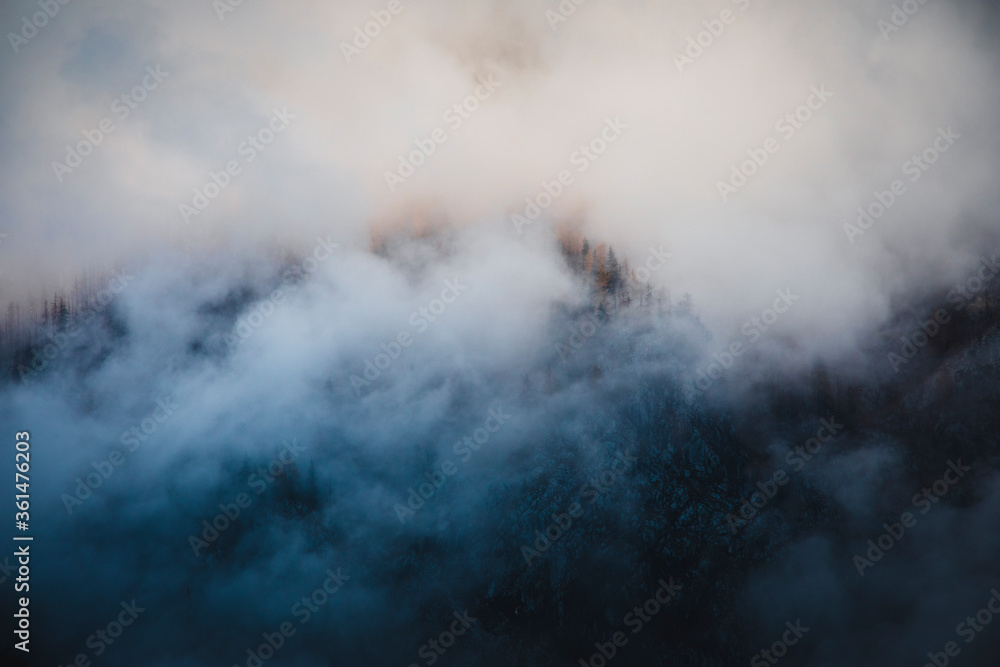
664 350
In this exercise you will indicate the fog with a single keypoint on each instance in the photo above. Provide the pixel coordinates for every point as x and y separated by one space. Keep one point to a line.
688 124
295 283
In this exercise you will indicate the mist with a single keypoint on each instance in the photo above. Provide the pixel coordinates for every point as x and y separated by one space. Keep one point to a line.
491 318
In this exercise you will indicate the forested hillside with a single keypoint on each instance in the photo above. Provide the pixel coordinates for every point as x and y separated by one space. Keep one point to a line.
604 480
